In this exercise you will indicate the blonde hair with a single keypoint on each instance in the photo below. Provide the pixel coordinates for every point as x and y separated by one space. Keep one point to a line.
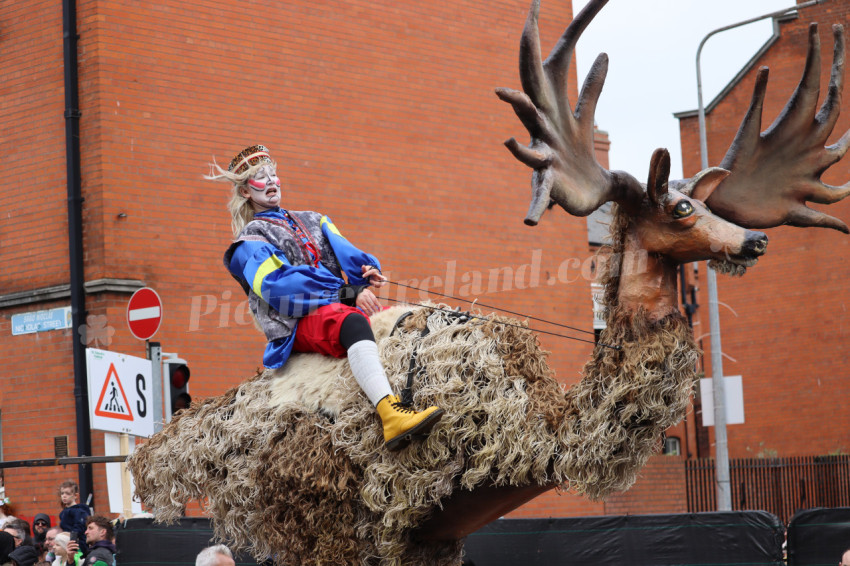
62 540
241 210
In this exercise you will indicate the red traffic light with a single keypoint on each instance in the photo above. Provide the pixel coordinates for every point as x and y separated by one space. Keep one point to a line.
179 376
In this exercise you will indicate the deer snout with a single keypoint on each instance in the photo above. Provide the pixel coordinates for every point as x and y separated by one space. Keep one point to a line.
755 243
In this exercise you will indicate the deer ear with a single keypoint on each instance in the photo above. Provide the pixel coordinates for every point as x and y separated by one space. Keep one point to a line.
659 173
704 183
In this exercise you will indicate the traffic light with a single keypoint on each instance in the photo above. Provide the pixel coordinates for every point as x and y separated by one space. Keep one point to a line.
176 388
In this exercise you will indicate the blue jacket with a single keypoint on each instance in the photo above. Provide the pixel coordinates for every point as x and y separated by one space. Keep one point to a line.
73 518
275 269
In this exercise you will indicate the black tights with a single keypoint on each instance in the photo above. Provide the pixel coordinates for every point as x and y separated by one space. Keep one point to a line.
355 328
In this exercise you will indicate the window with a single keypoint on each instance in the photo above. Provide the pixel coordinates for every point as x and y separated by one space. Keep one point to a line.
672 446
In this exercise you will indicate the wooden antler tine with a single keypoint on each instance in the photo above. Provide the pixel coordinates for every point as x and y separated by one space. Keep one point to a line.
531 74
531 157
557 65
526 112
800 109
590 91
542 181
828 114
748 135
834 153
805 217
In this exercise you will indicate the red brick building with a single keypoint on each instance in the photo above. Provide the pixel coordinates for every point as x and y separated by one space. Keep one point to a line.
381 115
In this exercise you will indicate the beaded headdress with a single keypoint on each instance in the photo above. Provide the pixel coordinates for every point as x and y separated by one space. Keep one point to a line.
251 155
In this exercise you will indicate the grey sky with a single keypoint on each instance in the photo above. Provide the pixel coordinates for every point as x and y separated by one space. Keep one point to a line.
652 46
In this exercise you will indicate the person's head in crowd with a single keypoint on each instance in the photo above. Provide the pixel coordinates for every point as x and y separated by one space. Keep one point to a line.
50 538
218 555
24 555
68 493
17 534
40 525
22 528
7 545
845 558
98 528
60 546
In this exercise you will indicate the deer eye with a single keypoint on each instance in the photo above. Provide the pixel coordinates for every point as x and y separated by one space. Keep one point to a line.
683 209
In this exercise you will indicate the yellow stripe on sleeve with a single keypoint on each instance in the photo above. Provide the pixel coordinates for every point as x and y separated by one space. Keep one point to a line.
331 226
268 266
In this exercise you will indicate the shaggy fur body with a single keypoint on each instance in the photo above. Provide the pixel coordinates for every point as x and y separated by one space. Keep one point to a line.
291 464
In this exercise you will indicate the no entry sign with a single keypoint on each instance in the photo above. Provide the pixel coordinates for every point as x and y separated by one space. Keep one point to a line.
144 313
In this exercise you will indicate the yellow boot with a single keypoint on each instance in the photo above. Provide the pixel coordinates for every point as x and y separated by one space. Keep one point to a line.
401 422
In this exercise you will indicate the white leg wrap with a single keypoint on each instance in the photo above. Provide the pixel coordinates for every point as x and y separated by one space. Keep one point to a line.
368 371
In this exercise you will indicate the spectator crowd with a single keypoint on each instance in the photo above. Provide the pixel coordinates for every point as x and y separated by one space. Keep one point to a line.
80 538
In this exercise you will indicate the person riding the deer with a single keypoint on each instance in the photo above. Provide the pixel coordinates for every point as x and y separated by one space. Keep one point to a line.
293 265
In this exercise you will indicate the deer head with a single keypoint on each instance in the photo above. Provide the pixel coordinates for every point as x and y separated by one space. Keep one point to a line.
678 225
765 179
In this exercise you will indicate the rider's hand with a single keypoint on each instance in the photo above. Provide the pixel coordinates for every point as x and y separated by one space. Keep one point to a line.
368 302
373 275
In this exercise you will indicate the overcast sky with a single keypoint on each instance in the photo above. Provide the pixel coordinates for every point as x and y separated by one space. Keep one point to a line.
651 45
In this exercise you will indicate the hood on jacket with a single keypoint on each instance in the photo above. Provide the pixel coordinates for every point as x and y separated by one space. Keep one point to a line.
39 537
24 555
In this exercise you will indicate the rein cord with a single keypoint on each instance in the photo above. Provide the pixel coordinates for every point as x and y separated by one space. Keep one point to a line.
469 315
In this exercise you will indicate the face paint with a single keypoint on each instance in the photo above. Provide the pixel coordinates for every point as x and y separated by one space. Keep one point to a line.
256 185
265 188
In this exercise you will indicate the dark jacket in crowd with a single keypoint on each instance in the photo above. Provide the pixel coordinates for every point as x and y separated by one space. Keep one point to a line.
7 545
102 553
24 555
73 518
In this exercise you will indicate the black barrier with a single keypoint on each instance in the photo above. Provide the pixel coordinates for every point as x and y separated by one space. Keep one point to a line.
694 539
818 536
141 542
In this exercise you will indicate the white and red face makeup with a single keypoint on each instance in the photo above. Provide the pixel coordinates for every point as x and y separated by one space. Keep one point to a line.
264 188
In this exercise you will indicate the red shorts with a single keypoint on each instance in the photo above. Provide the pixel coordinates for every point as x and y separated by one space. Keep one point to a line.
319 331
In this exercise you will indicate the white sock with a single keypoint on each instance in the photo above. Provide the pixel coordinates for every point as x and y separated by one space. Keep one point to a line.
368 371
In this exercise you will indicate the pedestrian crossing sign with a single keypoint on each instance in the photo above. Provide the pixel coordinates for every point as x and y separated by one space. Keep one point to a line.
113 401
120 392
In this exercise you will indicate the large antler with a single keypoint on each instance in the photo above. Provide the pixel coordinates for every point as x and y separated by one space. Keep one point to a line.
561 150
774 174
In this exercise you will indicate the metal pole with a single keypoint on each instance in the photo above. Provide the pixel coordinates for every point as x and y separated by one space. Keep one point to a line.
721 450
75 239
68 461
154 351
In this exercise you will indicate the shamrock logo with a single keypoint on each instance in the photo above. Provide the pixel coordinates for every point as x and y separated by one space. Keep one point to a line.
96 332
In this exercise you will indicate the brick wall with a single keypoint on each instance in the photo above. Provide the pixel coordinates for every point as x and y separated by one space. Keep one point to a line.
660 488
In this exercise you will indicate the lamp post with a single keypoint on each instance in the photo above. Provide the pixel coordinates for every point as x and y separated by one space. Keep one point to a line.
724 494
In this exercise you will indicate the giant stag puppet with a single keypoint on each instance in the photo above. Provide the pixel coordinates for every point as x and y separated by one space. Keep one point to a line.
291 463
